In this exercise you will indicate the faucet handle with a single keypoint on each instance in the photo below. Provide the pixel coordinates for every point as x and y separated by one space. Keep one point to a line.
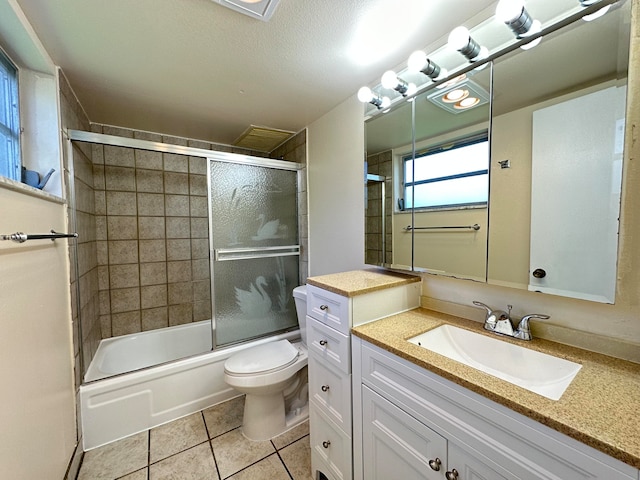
480 304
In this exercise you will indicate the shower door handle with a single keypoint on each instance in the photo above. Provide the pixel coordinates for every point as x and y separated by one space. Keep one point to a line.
323 343
325 388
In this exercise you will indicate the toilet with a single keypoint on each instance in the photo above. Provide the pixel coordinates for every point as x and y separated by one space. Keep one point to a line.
273 376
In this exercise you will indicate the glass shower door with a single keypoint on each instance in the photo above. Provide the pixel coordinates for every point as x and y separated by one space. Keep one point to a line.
255 250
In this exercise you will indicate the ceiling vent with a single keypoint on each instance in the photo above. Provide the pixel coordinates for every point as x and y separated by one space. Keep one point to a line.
262 139
260 9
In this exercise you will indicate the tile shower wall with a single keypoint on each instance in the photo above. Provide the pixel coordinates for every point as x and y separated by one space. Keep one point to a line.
379 164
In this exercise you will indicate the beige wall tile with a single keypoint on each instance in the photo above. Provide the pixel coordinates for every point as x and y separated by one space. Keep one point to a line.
153 296
177 205
121 203
197 184
122 251
176 183
124 276
175 163
178 249
199 248
198 206
153 273
201 311
118 156
149 160
198 164
179 271
202 291
151 204
180 314
119 179
155 318
125 323
199 228
122 228
178 227
125 300
200 269
153 251
152 228
180 293
150 181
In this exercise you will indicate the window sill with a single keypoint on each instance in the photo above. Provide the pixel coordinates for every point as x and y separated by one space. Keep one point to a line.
20 187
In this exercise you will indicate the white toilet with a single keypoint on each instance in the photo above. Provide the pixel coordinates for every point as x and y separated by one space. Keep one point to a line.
274 378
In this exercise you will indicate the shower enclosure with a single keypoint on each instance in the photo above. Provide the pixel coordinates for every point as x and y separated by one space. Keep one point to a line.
181 250
254 248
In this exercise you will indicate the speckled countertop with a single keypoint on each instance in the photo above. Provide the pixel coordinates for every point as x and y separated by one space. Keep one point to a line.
600 408
358 282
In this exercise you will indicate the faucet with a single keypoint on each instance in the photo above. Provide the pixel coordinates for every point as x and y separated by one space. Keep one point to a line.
499 321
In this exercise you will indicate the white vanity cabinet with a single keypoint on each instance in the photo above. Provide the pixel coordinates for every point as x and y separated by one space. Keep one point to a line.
330 317
412 424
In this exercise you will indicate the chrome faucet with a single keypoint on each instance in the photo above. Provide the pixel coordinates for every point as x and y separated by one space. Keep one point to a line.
499 321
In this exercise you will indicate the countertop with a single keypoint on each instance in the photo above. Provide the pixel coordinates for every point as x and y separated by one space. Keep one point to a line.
358 282
600 408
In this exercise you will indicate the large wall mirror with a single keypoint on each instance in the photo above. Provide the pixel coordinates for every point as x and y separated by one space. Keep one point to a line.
556 138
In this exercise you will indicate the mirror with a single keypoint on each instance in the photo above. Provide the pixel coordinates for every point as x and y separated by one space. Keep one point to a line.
582 58
554 211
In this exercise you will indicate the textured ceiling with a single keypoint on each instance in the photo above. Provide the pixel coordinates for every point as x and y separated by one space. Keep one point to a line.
196 69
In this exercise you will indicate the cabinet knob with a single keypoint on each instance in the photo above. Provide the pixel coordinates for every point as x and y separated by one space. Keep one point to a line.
323 343
452 475
324 307
326 444
325 388
435 464
539 273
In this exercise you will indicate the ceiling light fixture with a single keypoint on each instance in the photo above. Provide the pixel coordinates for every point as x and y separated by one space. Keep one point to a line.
460 39
468 102
365 95
514 14
455 96
260 9
418 62
391 81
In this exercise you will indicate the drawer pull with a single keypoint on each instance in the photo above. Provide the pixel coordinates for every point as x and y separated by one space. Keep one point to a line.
325 388
452 475
435 464
326 444
323 343
324 307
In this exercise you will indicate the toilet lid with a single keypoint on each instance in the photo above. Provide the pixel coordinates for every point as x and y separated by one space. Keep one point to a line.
265 357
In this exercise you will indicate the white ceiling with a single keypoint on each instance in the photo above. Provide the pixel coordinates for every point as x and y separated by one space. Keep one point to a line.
196 69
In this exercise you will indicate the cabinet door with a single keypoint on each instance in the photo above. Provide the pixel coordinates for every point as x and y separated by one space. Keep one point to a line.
396 445
464 466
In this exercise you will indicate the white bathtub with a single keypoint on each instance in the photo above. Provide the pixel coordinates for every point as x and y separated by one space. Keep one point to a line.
116 407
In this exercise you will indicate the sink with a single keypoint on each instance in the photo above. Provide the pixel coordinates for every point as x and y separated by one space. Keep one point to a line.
538 372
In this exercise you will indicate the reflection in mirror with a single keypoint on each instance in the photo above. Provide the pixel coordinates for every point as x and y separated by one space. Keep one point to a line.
450 181
559 121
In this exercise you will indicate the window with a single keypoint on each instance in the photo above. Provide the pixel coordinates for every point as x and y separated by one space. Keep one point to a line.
449 175
9 120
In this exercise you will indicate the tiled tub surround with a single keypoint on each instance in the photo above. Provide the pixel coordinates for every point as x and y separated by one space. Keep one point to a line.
599 408
204 445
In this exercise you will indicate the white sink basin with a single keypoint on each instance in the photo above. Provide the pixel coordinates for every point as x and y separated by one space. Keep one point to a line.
538 372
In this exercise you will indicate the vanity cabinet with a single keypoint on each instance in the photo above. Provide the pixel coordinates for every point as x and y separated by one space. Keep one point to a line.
410 423
330 317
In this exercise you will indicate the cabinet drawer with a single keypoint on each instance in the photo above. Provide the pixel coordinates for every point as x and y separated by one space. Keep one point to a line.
330 446
396 445
329 308
331 390
328 345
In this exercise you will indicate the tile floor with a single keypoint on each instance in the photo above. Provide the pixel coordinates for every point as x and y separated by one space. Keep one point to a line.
207 445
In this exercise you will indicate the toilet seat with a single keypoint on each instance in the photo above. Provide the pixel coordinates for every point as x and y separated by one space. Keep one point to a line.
263 359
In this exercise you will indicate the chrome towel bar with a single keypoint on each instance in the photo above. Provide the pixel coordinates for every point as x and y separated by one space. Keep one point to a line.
475 227
23 237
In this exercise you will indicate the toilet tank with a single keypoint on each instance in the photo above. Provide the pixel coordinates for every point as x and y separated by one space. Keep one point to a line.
300 297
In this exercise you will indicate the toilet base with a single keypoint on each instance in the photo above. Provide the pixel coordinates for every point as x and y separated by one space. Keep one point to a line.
265 418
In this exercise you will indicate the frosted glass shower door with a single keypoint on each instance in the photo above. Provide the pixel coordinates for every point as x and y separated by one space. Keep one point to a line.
255 250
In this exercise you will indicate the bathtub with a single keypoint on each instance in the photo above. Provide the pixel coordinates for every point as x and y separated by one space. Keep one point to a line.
185 382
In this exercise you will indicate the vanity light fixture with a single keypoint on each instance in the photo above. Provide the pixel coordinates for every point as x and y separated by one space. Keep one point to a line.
391 81
418 62
597 13
365 95
460 39
514 14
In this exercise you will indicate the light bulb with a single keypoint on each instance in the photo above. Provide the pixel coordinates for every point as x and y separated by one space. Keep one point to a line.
416 61
386 103
509 10
411 89
365 95
389 79
536 26
596 14
458 38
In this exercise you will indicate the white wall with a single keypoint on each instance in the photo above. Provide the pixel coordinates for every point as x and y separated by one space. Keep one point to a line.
335 163
38 406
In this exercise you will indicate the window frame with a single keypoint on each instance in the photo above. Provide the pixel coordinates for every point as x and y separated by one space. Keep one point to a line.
461 142
11 129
